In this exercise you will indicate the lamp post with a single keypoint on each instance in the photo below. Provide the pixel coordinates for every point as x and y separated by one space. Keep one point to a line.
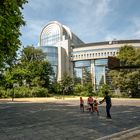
13 95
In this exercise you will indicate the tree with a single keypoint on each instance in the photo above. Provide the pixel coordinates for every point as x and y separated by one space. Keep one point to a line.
127 55
16 74
127 79
67 84
30 53
11 19
32 69
86 75
40 70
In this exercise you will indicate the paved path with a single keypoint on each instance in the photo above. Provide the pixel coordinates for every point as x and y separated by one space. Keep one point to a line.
57 119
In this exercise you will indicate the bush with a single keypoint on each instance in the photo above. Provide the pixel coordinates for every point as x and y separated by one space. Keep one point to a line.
56 88
102 90
78 88
88 87
84 90
20 92
40 92
84 93
23 91
3 93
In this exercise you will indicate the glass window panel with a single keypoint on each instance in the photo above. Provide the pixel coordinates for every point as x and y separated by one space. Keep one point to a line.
85 63
52 54
99 75
101 61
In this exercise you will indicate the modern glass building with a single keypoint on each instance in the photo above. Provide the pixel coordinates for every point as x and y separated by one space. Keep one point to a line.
69 54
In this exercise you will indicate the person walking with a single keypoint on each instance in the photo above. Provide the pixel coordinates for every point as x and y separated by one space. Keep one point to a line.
107 99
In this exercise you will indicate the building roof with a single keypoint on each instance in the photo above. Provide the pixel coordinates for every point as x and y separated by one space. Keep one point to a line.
108 43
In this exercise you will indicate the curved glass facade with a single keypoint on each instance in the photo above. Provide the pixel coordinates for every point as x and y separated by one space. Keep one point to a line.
52 56
77 58
50 39
50 35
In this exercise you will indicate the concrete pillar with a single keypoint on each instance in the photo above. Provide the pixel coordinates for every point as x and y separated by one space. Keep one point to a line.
93 74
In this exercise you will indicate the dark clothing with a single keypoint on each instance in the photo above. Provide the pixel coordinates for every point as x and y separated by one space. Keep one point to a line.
91 105
108 100
108 111
108 106
81 105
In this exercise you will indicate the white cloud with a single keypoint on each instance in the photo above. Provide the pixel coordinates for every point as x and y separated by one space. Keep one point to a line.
102 8
136 24
131 31
32 31
91 20
38 4
88 20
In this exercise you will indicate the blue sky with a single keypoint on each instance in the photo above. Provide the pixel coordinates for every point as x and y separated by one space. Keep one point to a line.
90 20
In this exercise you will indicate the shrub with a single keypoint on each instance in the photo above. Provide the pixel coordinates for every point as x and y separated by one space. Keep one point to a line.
3 93
20 92
78 88
84 93
40 92
23 91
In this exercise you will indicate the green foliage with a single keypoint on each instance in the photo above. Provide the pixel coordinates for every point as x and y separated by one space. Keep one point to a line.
40 92
102 89
78 88
67 85
84 90
32 76
30 53
30 72
39 70
89 88
16 74
84 93
23 91
56 88
3 93
40 73
127 79
86 76
20 92
127 55
77 80
11 20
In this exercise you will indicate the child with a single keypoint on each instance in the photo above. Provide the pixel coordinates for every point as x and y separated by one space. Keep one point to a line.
96 107
90 102
81 104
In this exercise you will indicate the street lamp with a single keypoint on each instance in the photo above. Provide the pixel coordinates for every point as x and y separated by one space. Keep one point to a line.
13 95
